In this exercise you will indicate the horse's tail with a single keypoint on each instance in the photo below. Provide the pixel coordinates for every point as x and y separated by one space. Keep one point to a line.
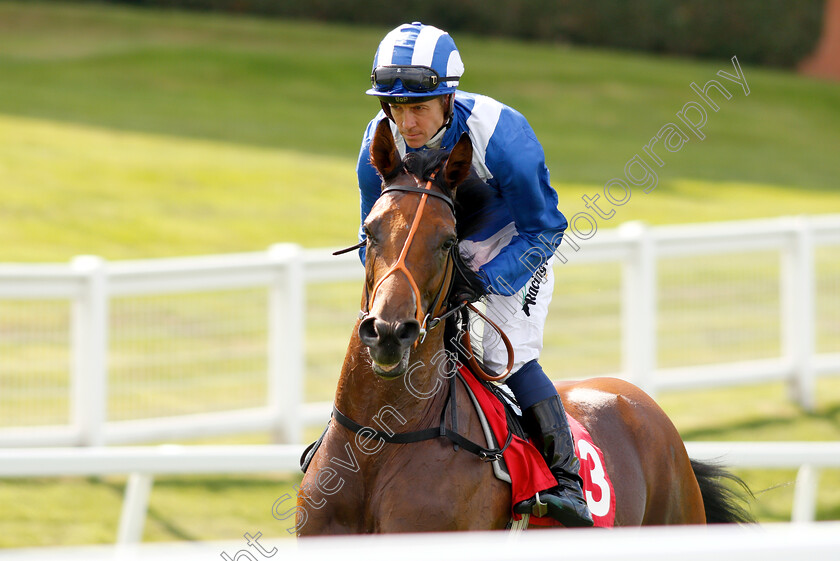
723 504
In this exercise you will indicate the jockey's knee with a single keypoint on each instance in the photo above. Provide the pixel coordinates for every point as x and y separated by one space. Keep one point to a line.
530 384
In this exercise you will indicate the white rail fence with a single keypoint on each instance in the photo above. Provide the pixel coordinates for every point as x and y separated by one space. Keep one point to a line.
815 542
803 311
144 462
818 541
778 542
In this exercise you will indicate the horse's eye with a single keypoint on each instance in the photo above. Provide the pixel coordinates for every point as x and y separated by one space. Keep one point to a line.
449 244
370 239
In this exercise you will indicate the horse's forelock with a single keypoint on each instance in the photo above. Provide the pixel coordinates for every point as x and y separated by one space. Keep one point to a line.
424 163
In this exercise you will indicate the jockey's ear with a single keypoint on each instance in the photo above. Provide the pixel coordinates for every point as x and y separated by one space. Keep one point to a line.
383 151
459 163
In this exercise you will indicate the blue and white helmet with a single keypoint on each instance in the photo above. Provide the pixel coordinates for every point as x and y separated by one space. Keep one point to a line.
415 61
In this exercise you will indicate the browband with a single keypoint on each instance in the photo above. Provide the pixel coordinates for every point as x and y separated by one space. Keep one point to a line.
422 191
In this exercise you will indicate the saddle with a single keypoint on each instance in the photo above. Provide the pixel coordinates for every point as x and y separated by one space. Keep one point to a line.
525 469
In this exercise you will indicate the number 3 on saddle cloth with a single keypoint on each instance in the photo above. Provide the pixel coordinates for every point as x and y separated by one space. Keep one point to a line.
528 471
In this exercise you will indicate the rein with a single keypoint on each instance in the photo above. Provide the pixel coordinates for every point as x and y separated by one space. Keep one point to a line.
467 346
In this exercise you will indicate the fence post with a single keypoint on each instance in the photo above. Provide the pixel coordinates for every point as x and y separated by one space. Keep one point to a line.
638 308
286 342
89 339
798 314
135 507
805 494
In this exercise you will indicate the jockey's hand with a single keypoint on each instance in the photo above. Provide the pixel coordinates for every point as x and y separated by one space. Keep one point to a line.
463 294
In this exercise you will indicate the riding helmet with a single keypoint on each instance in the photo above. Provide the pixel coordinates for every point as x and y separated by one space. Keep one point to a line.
418 45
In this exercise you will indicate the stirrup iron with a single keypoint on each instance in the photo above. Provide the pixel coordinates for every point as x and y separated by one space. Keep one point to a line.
540 508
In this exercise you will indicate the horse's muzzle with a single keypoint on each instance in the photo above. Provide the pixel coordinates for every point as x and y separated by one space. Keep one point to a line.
389 343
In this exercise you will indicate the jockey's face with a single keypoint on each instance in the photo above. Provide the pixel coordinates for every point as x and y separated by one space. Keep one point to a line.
418 122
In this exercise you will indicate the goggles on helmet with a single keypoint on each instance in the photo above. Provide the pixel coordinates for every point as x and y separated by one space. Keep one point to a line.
413 78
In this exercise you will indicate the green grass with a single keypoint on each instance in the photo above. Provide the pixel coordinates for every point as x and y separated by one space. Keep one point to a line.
70 189
68 511
132 134
764 413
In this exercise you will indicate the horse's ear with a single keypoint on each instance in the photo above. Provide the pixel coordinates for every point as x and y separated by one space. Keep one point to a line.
383 150
459 162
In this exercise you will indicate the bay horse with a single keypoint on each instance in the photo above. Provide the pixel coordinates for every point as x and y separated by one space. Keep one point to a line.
364 478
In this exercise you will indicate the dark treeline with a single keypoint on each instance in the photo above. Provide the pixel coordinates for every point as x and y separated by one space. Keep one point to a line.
769 32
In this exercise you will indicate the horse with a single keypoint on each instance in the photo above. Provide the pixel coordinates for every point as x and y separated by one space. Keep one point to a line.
366 477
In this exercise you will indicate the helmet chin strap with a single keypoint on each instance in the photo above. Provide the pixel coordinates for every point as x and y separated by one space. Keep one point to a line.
436 139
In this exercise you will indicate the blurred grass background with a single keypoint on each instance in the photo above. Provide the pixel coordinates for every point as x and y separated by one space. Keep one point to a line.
145 133
142 133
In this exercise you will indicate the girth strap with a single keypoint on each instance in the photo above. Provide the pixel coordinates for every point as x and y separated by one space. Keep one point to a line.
485 454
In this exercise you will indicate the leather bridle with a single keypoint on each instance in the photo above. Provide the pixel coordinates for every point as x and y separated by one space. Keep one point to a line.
429 320
421 317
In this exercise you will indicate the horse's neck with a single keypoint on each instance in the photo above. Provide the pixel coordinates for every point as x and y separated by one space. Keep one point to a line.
411 401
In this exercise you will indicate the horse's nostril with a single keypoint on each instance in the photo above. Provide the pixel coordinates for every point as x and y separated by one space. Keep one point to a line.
367 332
408 331
374 332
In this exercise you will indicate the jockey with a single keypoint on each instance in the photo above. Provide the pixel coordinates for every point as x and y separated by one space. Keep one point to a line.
415 76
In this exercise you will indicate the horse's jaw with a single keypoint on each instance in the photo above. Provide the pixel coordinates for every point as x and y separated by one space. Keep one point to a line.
391 371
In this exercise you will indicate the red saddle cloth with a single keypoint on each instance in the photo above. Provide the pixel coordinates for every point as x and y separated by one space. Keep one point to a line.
529 473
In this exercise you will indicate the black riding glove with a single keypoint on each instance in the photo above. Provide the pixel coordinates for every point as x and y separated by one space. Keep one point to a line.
462 294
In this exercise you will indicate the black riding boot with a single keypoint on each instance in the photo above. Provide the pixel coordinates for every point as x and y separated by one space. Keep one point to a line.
550 431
